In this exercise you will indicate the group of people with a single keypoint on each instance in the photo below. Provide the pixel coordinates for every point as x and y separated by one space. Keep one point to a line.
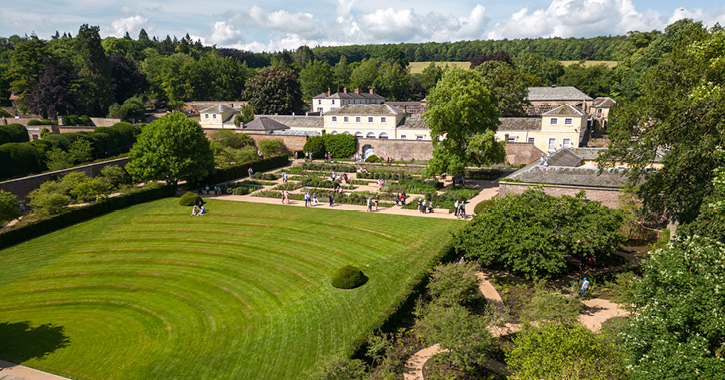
198 210
310 200
460 209
400 199
339 178
207 190
374 200
425 206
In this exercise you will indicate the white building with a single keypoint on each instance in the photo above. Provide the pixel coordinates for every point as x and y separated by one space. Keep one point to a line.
327 102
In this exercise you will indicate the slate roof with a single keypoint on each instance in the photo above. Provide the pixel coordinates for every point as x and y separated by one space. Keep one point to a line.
296 121
264 124
519 124
366 109
564 109
570 93
413 123
564 157
349 95
220 108
289 132
560 175
603 102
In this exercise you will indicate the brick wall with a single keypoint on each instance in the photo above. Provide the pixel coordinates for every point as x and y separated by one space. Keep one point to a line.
522 153
398 149
21 187
104 121
608 197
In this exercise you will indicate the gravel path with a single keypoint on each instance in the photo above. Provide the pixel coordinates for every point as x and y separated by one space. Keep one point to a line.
12 371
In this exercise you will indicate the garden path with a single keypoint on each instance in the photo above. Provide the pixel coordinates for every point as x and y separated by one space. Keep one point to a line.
12 371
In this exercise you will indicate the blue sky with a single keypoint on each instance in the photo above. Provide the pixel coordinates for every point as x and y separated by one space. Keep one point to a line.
275 25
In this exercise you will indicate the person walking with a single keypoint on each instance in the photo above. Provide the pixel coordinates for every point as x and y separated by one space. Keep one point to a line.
370 205
455 207
332 199
402 198
314 199
307 199
250 171
424 206
397 199
419 203
585 287
284 177
377 201
462 210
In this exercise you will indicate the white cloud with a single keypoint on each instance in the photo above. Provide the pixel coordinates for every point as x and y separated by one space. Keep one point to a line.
224 34
708 18
132 25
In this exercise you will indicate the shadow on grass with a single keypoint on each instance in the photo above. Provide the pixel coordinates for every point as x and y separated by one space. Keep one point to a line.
22 342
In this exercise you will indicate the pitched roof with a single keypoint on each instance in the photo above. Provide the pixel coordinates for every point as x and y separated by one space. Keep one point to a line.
603 102
577 176
519 124
556 93
264 124
366 109
564 110
564 157
349 95
296 121
413 123
220 108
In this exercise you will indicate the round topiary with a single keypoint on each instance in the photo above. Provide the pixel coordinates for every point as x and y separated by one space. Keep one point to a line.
348 277
480 206
373 158
189 199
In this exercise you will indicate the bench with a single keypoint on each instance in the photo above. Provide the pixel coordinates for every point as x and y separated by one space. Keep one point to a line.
441 211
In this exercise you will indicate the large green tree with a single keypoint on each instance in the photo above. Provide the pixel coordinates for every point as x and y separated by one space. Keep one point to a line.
509 86
26 65
52 95
463 120
316 78
275 90
172 148
680 116
94 69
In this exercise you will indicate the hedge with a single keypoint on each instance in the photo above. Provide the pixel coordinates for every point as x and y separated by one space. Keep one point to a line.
348 277
13 133
242 170
341 145
79 214
329 167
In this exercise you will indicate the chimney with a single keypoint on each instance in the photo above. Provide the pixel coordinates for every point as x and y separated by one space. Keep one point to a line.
344 89
357 90
371 90
328 92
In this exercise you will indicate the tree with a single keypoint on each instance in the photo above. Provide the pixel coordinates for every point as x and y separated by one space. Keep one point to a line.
316 78
595 81
132 109
230 139
126 78
553 351
463 119
275 90
172 148
548 230
246 114
9 209
316 146
508 85
430 76
364 75
80 151
339 146
678 331
52 95
452 284
551 306
342 74
272 147
94 69
678 115
394 82
537 69
26 65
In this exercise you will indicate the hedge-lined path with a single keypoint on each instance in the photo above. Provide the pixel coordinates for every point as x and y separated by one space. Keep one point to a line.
597 311
12 371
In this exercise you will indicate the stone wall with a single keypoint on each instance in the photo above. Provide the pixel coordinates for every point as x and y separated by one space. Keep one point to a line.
293 143
21 187
104 121
398 149
522 153
608 197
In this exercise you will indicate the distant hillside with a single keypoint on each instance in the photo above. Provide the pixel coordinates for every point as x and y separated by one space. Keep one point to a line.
418 67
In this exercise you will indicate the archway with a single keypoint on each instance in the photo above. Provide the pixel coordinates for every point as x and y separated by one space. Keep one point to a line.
368 151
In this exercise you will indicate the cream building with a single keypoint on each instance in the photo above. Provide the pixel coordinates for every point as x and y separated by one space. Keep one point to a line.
561 127
219 116
327 102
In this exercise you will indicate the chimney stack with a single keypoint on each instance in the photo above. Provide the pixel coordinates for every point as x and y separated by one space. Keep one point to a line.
344 89
328 92
371 90
357 90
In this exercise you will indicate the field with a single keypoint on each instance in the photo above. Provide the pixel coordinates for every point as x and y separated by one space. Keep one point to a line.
417 67
243 292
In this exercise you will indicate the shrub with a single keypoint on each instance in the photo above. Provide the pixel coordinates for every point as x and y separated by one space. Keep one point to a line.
91 189
329 167
485 174
231 139
348 277
372 158
240 190
34 122
241 170
189 199
116 176
453 283
481 205
13 133
316 145
20 159
338 367
551 306
46 204
9 207
273 147
341 145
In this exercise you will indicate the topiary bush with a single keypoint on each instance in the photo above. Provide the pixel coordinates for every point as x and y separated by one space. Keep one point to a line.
189 199
341 145
480 206
348 277
373 158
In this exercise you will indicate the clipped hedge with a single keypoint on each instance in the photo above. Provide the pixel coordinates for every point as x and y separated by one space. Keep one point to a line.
79 214
373 158
341 145
190 199
348 277
481 205
344 168
242 170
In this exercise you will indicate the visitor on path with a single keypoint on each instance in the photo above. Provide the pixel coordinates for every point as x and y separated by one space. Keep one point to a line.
419 203
284 177
430 207
377 202
397 199
424 207
455 206
332 199
462 210
307 199
250 171
194 210
402 198
314 199
206 189
585 287
286 197
370 205
332 176
344 176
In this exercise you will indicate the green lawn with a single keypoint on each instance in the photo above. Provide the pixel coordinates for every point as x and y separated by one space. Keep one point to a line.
243 292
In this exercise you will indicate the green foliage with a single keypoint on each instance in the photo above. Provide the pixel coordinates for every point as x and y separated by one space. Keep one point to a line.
132 109
13 133
45 204
595 81
548 230
316 78
552 307
338 168
275 90
189 199
338 368
79 152
241 170
315 145
482 205
116 176
554 352
340 145
710 222
454 284
230 139
246 113
171 148
508 85
9 207
373 158
348 277
463 109
20 159
91 190
679 328
465 335
623 288
272 147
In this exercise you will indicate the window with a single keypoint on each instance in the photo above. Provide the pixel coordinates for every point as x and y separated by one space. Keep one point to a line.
403 137
333 101
206 116
345 119
334 132
531 140
213 116
35 137
553 121
358 119
346 133
370 119
319 101
334 118
383 136
358 134
568 121
370 135
383 119
567 143
419 137
510 138
319 109
552 143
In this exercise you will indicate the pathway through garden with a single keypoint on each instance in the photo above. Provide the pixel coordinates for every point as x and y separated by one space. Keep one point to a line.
12 371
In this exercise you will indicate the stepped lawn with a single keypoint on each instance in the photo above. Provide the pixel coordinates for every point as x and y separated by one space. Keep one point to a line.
149 292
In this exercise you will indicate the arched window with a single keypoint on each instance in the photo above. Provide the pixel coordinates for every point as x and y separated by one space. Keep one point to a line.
346 133
383 135
370 135
333 132
358 134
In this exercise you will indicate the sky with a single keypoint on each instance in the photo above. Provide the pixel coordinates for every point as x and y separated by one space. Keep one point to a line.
274 25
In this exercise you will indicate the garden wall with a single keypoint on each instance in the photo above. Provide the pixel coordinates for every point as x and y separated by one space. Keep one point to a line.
608 197
21 187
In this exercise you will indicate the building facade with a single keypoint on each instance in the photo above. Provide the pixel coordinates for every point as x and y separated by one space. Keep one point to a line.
327 102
